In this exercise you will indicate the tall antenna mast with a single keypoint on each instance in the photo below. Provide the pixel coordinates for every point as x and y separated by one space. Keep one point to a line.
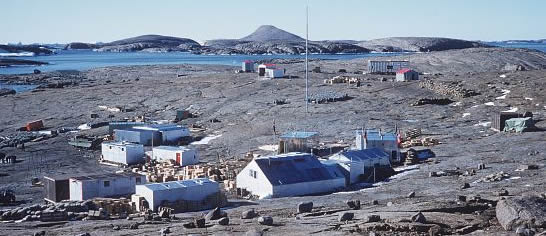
307 58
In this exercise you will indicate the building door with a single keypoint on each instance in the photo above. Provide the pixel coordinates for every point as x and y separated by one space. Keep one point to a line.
178 158
394 155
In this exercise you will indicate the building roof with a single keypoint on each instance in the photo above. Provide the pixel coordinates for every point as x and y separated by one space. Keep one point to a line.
405 70
299 134
179 184
122 143
373 134
160 127
292 168
172 148
106 176
364 155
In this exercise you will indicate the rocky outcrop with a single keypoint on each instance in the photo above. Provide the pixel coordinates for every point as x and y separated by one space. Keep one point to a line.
35 49
5 62
268 39
150 43
5 91
80 46
418 44
266 33
519 211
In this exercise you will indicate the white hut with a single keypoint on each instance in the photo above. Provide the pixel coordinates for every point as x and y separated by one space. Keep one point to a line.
291 174
386 141
123 153
263 67
406 75
361 164
193 190
104 185
170 133
274 73
182 156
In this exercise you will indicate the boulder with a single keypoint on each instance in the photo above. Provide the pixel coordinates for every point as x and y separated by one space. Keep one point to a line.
304 207
248 214
199 223
524 231
189 225
346 216
265 220
465 186
419 218
519 211
40 233
373 218
353 204
411 195
223 221
5 91
254 232
215 214
165 231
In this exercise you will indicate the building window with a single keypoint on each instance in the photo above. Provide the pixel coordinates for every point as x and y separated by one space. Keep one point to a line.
253 173
122 149
138 180
110 147
106 183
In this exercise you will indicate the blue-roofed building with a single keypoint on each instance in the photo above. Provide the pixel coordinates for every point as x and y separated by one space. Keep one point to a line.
170 133
291 174
298 141
185 192
373 138
363 165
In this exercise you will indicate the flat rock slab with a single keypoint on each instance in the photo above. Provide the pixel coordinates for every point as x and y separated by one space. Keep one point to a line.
516 211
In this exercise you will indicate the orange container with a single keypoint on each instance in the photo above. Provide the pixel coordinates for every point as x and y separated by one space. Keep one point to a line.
35 125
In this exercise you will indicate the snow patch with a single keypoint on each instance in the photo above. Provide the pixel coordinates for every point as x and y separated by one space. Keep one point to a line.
465 114
206 140
530 99
502 76
484 124
271 148
456 104
489 104
512 109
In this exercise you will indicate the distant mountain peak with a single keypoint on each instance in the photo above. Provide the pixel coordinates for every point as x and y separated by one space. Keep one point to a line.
271 33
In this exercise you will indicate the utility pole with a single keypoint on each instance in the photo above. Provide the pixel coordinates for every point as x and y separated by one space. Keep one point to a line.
307 58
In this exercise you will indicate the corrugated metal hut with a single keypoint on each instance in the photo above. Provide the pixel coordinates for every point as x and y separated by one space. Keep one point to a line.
298 141
386 67
104 185
182 156
363 165
500 118
123 153
56 188
122 125
193 190
168 133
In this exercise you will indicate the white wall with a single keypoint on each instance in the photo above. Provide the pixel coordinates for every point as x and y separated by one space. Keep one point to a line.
386 145
126 154
274 73
259 186
189 156
194 193
307 188
175 135
87 189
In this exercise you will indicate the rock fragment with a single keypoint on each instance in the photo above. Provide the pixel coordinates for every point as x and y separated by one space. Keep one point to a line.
304 207
265 220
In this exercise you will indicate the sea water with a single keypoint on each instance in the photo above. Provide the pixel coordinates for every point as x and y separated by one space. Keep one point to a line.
87 59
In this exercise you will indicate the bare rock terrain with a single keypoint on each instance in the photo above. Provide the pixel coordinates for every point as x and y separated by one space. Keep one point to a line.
418 44
243 104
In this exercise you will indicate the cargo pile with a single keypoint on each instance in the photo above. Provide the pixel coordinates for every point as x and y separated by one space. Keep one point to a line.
426 141
452 89
160 172
326 97
342 80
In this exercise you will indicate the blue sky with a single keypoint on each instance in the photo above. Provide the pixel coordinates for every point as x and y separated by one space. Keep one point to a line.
62 21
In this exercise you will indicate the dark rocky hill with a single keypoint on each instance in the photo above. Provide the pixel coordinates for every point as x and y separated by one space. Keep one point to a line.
78 45
271 33
269 39
36 49
150 43
418 44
